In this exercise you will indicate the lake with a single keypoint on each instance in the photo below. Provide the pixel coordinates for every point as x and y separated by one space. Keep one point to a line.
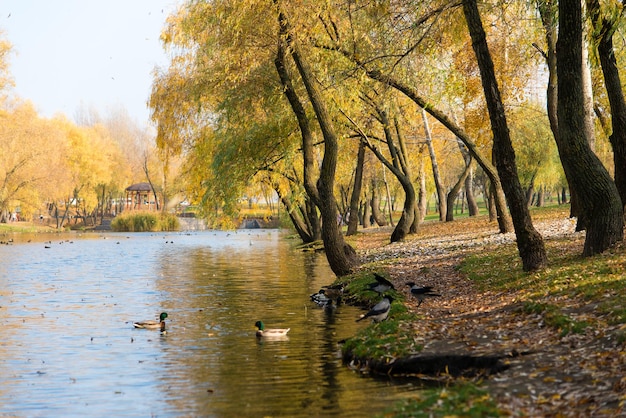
68 346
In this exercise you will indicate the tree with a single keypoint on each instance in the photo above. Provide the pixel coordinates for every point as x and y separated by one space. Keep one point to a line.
601 208
5 76
398 166
388 79
605 25
529 241
308 152
31 153
441 192
341 257
353 220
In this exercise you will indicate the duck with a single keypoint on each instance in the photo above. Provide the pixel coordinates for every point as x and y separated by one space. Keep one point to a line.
320 298
152 324
261 331
422 292
334 292
381 285
380 311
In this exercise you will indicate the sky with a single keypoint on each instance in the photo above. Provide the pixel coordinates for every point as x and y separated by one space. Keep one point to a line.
93 54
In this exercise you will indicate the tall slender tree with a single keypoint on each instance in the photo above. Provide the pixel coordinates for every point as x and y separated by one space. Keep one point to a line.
605 25
529 242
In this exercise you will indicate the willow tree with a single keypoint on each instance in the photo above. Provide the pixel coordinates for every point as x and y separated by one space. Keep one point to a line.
388 54
341 256
218 103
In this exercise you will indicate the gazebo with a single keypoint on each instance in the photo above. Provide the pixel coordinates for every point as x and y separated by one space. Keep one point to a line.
141 196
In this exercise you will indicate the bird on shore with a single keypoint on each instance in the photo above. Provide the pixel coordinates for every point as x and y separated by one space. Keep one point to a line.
381 285
422 292
380 311
261 331
152 324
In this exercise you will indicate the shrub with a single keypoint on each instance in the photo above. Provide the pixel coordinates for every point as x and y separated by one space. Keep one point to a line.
144 222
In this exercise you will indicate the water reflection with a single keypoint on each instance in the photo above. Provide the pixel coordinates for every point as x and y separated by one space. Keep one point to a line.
69 348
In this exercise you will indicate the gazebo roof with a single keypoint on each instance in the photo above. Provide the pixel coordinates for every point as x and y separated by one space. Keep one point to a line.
139 187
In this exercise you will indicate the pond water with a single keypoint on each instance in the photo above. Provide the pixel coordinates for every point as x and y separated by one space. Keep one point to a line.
68 346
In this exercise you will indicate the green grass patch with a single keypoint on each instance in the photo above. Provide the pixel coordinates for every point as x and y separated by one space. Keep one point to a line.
386 340
145 222
554 318
462 400
570 283
357 289
23 227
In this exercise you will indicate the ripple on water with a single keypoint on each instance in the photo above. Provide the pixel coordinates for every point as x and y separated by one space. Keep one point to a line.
69 347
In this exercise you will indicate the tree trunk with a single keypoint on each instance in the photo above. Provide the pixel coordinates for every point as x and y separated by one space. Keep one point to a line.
407 172
601 207
606 28
441 191
529 242
454 192
298 223
422 202
353 220
472 206
547 12
308 152
400 169
375 205
341 256
589 114
366 214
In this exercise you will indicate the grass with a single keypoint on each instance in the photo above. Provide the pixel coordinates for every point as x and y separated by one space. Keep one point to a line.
461 400
570 284
21 227
385 340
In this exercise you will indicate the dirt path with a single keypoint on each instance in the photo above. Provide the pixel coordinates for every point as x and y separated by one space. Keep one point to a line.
548 375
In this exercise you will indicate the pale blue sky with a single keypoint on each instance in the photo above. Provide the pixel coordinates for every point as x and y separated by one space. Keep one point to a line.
95 53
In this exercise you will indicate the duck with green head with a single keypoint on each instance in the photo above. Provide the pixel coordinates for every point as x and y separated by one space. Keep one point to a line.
152 324
261 331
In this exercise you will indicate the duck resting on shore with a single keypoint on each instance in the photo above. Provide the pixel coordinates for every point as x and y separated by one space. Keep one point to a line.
152 324
261 331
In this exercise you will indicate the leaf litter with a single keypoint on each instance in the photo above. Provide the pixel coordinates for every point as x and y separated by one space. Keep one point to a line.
552 370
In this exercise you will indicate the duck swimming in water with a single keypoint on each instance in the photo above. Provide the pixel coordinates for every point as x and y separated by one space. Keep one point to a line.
270 332
152 324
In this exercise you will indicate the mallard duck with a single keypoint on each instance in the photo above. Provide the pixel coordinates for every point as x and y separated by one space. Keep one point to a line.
152 324
320 298
422 292
381 285
380 311
334 292
261 331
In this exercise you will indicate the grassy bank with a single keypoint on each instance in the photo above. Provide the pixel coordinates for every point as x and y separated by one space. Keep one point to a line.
569 317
